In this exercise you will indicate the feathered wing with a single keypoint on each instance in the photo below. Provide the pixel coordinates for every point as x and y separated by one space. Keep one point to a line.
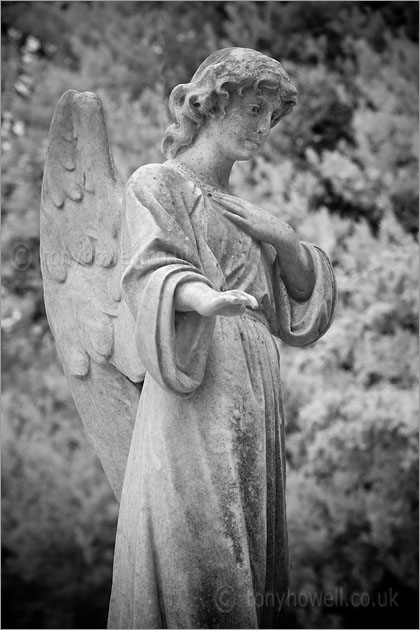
81 220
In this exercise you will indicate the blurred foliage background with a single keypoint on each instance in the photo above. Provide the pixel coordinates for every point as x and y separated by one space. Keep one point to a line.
343 170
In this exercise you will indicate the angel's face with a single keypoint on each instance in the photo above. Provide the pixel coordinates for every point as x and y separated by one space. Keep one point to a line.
246 125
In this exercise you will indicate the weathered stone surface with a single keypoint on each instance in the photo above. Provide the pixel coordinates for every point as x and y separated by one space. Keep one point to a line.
208 283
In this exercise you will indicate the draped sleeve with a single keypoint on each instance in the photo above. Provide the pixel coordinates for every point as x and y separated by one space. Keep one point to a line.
303 323
160 245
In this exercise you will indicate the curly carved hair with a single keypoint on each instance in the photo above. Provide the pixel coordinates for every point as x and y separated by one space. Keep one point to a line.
220 75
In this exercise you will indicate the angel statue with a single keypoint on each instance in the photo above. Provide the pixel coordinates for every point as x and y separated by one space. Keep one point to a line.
165 299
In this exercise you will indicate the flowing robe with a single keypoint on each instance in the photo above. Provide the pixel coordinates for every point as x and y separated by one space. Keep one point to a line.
202 536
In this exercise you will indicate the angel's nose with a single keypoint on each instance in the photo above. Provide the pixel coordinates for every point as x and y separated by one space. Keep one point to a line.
264 125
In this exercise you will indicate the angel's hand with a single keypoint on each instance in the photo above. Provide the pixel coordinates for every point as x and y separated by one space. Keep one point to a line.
257 222
199 297
227 303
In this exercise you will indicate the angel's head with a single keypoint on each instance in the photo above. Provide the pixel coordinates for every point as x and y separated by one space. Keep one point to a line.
222 80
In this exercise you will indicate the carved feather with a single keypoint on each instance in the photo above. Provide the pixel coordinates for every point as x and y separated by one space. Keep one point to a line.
81 217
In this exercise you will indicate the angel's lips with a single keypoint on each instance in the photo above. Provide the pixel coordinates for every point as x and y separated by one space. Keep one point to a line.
255 143
252 140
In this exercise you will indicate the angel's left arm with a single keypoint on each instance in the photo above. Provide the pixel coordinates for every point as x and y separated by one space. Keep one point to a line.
300 321
296 263
303 279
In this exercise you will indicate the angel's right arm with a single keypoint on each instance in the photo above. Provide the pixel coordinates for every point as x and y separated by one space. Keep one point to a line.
160 247
192 296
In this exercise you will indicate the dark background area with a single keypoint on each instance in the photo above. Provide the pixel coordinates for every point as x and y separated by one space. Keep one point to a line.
343 170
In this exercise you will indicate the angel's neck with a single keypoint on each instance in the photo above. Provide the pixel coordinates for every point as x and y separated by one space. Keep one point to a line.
207 165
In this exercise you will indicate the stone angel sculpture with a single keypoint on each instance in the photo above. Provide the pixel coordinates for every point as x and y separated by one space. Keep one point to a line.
165 300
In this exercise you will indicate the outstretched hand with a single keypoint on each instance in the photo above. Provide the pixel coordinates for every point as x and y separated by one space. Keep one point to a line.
199 297
226 303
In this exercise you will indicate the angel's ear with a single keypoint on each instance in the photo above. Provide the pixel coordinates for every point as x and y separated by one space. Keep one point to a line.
213 105
214 112
197 103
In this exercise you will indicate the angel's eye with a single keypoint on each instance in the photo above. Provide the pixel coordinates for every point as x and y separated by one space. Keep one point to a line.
254 109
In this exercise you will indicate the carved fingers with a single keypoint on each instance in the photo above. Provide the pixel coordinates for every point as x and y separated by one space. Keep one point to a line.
228 303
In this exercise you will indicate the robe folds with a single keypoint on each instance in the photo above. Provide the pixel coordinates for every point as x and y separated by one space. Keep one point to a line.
202 537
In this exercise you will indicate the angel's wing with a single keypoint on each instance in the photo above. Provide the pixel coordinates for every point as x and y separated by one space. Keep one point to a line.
81 218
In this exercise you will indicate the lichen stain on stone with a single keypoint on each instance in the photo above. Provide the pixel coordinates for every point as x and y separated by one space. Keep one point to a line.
231 520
